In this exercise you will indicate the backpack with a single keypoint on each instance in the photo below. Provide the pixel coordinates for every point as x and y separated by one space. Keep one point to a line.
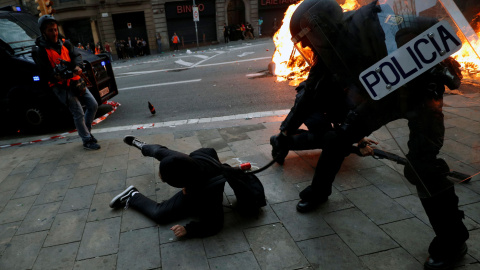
248 189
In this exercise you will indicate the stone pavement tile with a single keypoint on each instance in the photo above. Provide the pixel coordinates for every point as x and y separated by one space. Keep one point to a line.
186 144
265 216
53 192
413 205
461 152
16 209
391 259
26 166
6 233
296 169
474 185
57 257
39 218
85 177
108 262
9 162
413 235
43 169
459 166
72 158
140 166
166 235
472 211
112 181
359 232
64 172
468 113
100 208
134 153
349 179
262 136
100 238
115 163
5 197
277 189
162 139
206 135
67 227
387 180
354 162
330 252
462 136
23 251
237 261
144 183
184 134
30 187
117 149
77 198
238 133
466 195
310 156
382 134
474 244
301 226
139 249
243 148
12 182
4 173
224 156
219 144
336 201
398 123
230 240
134 220
163 191
274 248
91 159
184 255
464 123
376 205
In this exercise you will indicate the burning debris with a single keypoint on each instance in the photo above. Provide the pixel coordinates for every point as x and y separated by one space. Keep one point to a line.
470 63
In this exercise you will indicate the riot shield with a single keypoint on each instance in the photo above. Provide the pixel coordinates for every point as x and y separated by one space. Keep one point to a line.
396 58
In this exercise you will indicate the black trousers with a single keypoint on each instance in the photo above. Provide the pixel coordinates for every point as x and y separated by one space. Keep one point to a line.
167 211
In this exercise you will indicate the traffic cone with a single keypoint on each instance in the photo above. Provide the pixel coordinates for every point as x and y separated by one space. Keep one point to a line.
151 108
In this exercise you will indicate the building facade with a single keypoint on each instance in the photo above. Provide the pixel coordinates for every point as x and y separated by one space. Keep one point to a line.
155 21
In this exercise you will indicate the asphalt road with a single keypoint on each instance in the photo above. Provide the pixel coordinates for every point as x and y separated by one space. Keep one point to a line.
214 81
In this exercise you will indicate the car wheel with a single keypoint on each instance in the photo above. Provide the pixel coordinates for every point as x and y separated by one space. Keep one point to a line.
33 117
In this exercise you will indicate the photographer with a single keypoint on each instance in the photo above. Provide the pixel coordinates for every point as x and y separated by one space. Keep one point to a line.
61 66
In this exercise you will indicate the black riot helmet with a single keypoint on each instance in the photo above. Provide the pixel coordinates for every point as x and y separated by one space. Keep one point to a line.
314 25
44 20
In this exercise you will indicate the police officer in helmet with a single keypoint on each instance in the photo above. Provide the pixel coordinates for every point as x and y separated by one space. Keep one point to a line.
62 66
345 44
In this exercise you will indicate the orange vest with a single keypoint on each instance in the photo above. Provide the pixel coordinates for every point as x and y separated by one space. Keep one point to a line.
97 50
54 57
175 39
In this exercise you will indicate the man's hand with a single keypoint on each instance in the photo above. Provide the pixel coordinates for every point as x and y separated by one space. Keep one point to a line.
364 146
77 70
179 230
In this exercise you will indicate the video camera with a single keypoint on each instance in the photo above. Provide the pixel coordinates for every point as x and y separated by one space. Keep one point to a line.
61 70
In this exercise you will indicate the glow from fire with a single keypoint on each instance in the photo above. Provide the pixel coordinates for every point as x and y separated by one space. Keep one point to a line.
289 64
468 59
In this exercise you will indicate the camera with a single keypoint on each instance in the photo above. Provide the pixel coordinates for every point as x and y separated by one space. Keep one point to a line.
61 70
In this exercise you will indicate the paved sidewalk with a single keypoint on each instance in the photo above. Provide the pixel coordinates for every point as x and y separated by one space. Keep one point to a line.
54 199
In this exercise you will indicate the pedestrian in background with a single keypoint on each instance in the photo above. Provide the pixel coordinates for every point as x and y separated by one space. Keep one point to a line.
226 32
176 41
159 43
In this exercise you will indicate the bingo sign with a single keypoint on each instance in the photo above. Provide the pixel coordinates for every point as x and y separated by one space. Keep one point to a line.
409 61
196 17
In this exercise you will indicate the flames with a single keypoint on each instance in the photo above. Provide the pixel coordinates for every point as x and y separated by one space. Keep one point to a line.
468 59
289 64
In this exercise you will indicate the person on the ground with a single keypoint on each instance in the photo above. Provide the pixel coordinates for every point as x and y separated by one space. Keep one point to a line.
360 40
176 41
226 32
52 48
197 197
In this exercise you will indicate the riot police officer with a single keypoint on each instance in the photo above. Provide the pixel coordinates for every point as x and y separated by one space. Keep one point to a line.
344 45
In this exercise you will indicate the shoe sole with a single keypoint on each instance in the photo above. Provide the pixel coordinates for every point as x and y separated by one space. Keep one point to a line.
112 202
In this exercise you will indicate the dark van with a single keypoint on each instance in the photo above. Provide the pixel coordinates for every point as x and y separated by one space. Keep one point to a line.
25 98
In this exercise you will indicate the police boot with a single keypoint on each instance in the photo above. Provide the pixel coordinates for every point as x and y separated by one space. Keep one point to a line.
448 246
132 141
